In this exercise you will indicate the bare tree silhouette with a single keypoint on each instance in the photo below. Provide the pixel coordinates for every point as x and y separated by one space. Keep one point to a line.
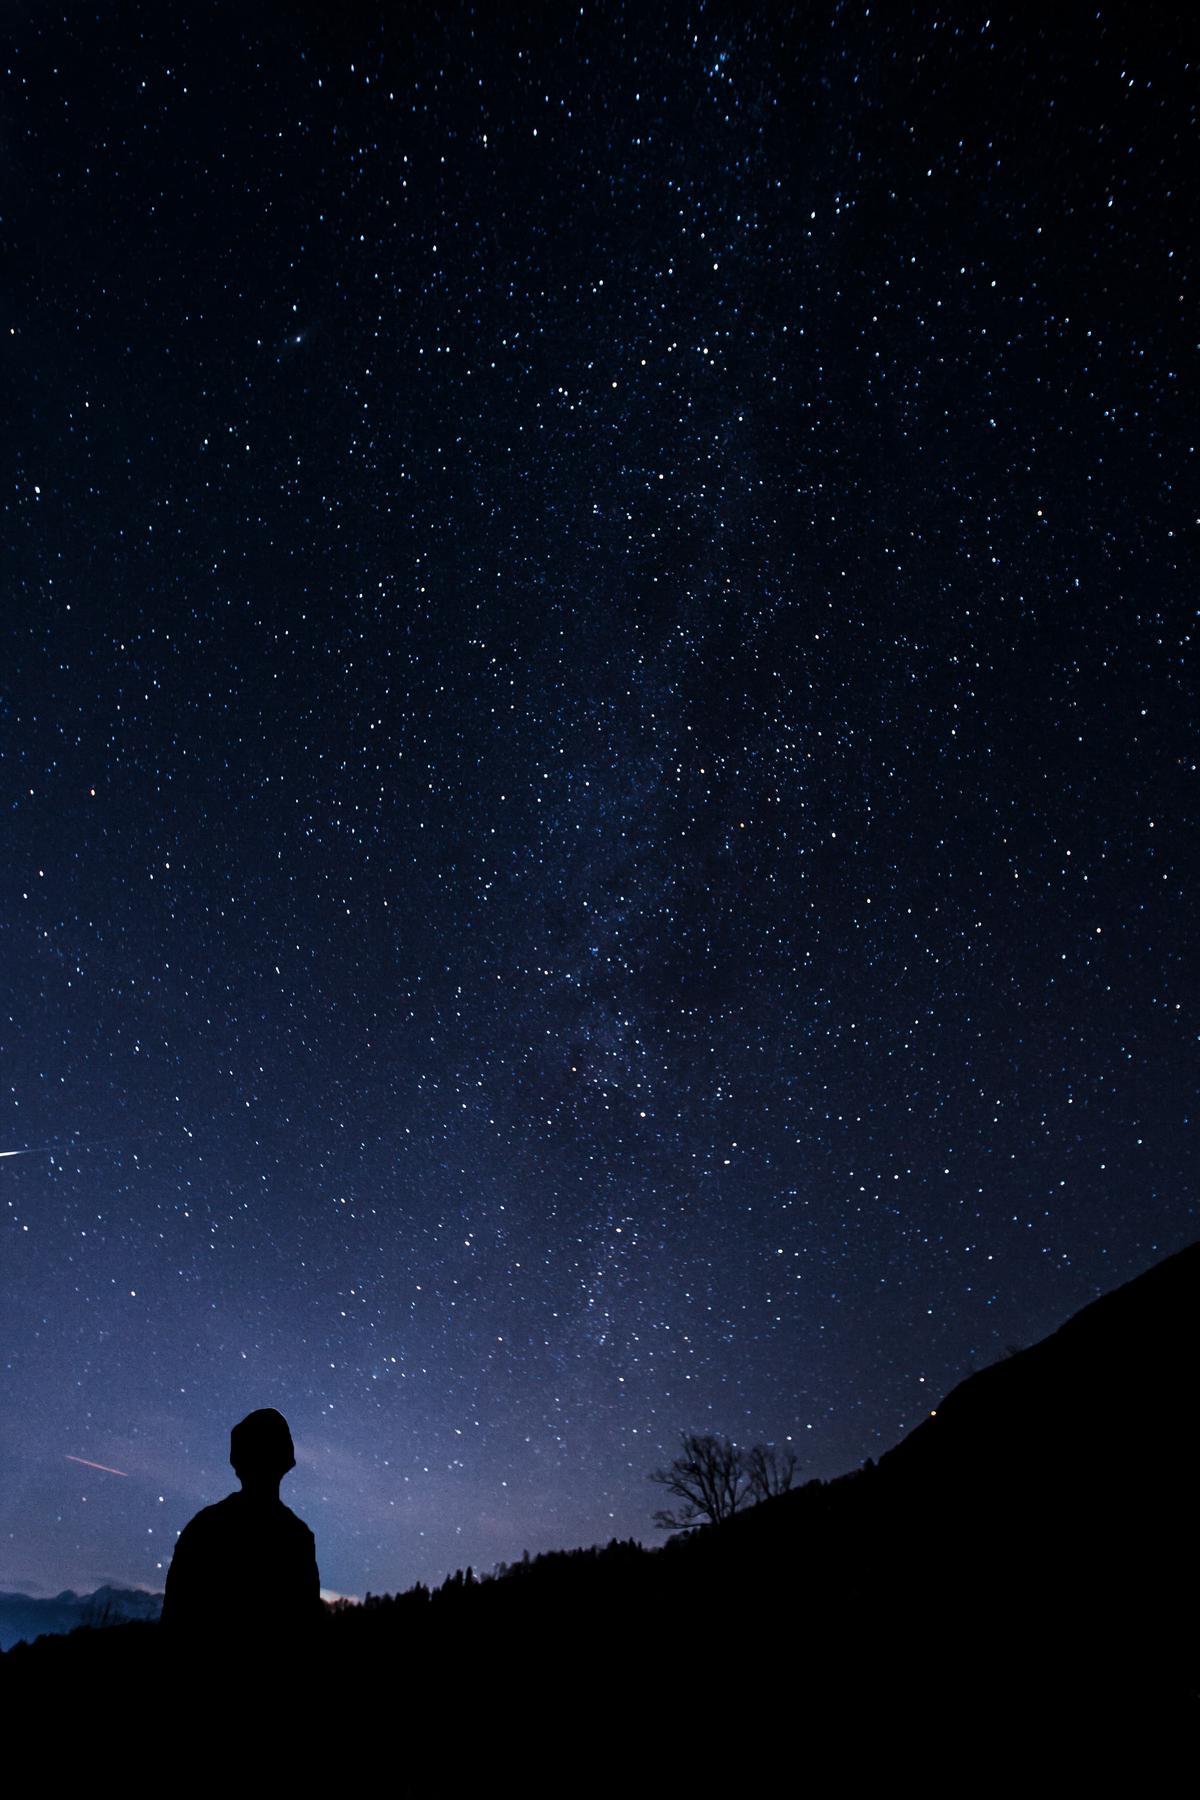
769 1471
708 1477
714 1478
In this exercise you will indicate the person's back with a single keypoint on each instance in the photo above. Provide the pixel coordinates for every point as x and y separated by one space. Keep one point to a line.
243 1579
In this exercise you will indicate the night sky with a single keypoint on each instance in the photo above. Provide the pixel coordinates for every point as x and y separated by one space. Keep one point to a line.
598 744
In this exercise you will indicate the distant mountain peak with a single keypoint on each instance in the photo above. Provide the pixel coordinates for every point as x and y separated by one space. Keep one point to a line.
24 1617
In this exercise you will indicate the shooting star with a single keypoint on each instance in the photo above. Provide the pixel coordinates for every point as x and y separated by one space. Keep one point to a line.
87 1144
103 1467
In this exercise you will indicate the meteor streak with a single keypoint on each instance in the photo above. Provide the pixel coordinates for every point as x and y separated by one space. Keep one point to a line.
103 1467
88 1144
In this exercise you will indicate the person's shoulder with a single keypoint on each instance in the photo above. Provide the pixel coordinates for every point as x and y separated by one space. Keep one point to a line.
211 1518
221 1509
295 1524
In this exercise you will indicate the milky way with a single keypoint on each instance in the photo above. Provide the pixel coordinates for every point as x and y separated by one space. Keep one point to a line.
598 742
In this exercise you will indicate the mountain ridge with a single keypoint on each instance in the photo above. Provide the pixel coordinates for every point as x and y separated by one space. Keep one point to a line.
25 1617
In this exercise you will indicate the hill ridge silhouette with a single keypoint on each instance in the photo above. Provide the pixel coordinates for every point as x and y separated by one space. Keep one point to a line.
1025 1552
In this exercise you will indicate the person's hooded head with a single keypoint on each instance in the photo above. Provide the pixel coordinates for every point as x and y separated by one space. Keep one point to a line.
261 1448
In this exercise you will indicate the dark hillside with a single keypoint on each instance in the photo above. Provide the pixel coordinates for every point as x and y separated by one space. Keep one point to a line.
1035 1537
1025 1559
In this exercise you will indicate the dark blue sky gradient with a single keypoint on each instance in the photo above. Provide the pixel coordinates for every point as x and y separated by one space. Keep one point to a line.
599 745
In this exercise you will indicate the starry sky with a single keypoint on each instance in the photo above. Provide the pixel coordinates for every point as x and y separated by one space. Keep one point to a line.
598 744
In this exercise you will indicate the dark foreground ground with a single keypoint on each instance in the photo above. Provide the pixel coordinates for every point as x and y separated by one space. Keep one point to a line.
1014 1584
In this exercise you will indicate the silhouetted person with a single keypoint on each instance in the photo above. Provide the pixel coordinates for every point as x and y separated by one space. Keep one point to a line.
243 1580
